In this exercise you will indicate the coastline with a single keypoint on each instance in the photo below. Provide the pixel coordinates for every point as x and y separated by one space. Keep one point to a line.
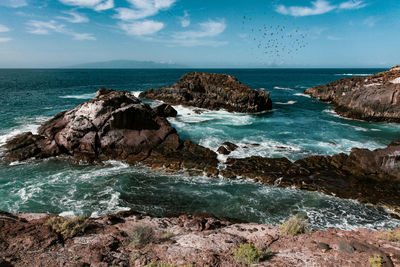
180 239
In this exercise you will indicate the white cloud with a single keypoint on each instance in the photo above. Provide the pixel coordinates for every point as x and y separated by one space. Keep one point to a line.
44 27
140 28
4 28
104 5
5 39
352 5
142 9
370 21
14 3
97 5
318 7
83 36
74 17
48 27
185 20
210 28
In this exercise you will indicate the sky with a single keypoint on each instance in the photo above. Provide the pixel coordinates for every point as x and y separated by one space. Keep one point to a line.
205 33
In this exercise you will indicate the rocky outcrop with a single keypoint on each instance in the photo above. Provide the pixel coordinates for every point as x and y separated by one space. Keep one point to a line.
113 125
198 239
212 91
165 110
364 175
373 98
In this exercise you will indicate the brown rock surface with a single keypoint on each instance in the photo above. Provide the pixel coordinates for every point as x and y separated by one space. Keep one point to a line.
373 98
212 91
200 239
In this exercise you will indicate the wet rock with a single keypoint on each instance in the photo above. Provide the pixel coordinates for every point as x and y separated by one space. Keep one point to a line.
223 150
230 146
165 110
227 148
212 91
373 98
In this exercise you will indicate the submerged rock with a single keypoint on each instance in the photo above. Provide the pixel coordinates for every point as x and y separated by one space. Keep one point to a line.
212 91
373 98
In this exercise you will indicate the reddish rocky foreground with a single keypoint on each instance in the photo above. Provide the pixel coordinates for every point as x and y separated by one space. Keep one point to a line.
199 239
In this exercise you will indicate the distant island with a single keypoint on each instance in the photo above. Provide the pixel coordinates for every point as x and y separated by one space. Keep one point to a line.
126 64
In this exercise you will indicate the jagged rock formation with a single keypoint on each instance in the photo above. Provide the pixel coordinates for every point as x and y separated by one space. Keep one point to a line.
212 91
198 239
364 175
113 125
165 110
373 98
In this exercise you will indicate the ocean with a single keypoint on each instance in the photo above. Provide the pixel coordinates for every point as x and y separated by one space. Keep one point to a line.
296 127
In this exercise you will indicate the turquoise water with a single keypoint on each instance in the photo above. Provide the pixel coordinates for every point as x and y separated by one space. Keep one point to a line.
298 126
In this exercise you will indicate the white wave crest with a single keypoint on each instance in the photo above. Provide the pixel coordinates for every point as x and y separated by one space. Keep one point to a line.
301 94
27 125
82 96
291 102
353 74
136 93
283 88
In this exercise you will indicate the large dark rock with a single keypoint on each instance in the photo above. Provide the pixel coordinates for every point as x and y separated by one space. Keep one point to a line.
165 110
212 91
373 98
113 125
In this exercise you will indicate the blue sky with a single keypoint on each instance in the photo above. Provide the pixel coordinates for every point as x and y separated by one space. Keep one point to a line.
222 33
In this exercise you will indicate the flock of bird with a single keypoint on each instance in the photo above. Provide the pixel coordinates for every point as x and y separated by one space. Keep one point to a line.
274 41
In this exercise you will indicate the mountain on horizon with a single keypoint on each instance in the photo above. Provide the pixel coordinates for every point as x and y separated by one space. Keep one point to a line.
126 64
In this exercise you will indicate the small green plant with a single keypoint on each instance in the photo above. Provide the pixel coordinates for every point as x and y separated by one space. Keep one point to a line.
167 235
376 261
140 235
247 254
68 227
135 256
393 236
295 226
